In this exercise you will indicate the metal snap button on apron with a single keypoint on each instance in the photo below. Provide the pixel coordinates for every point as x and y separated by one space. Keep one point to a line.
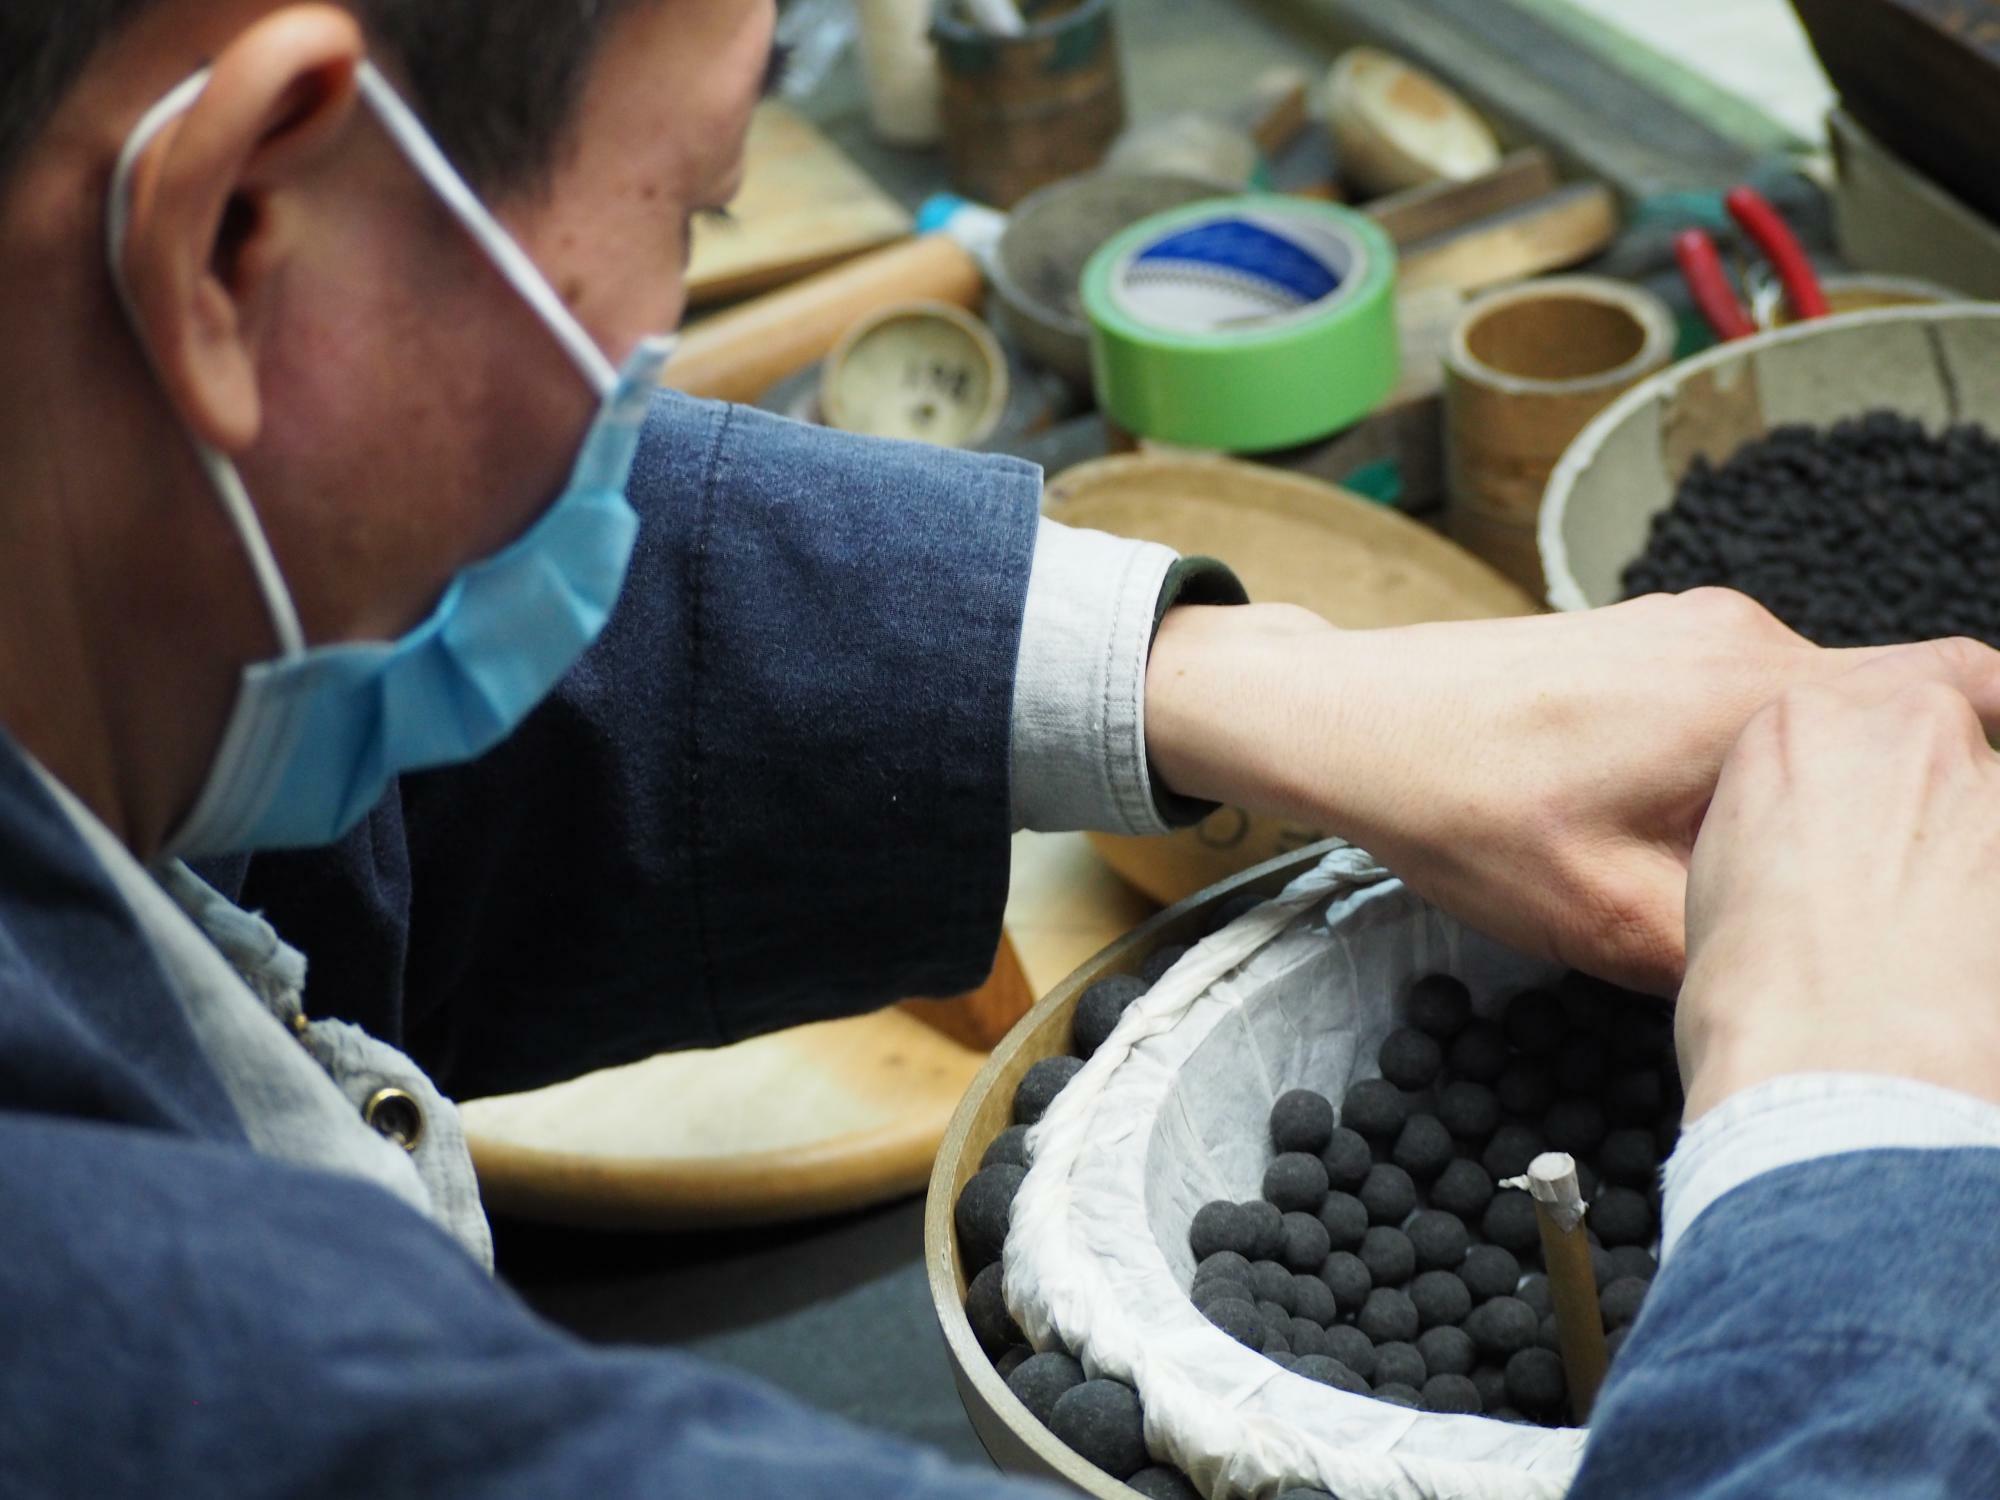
396 1116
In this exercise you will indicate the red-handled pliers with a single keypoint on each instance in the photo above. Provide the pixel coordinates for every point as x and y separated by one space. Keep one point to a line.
1715 298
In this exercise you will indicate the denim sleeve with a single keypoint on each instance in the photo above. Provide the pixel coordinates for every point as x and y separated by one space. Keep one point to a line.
240 1327
1825 1330
776 791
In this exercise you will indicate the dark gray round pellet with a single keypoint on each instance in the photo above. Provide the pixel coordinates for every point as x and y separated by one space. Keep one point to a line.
1154 969
1301 1120
1345 1218
1008 1149
1491 1383
1205 1294
1470 1111
1238 1318
1410 1059
1347 1276
1389 1256
1490 1271
1423 1148
1307 1243
1535 1382
1439 1238
1040 1085
1440 1006
986 1311
1102 1422
1352 1348
1328 1371
1581 1066
1376 1108
1447 1351
1307 1494
1271 1282
1267 1229
1479 1052
1452 1395
1635 1098
1525 1089
1513 1146
1275 1341
1099 1010
1306 1337
1536 1022
1622 1216
1039 1381
1574 1125
1464 1189
1534 1290
1218 1227
1223 1265
1011 1359
982 1214
1634 1260
1159 1483
1621 1301
1295 1183
1314 1299
1509 1221
1388 1317
1629 1157
1440 1298
1389 1194
1347 1158
1501 1326
1400 1364
1548 1335
1398 1394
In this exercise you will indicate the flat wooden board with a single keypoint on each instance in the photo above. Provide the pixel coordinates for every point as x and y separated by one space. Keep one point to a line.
805 206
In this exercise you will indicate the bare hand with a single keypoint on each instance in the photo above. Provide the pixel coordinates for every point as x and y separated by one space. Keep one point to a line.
1844 900
1543 779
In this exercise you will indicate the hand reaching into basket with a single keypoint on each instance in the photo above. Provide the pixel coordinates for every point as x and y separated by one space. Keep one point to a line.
1844 899
1543 779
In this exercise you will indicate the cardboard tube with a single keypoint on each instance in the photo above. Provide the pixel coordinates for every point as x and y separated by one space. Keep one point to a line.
1526 370
1559 1211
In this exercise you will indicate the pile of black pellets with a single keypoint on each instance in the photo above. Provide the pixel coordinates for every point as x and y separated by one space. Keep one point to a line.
1382 1258
1870 532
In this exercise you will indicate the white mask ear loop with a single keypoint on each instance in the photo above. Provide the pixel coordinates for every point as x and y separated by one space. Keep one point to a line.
408 132
221 472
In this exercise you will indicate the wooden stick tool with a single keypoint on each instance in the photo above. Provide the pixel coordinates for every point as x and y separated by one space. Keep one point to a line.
1559 1210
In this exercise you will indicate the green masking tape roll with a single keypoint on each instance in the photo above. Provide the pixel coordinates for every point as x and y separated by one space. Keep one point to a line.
1245 324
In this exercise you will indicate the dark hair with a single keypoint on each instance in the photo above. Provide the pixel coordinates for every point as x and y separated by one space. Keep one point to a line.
496 80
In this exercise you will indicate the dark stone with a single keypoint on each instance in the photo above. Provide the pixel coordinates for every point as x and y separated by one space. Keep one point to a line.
1389 1194
1306 1337
986 1311
1205 1294
1388 1317
1389 1256
1221 1227
1452 1395
982 1214
1634 1260
1581 1066
1534 1290
1157 1483
1040 1085
1008 1149
1275 1342
1398 1394
1629 1157
1273 1283
1352 1348
1102 1422
1526 1089
1424 1148
1267 1229
1239 1318
1464 1189
1012 1359
1447 1351
1400 1364
1154 969
1223 1265
1295 1183
1376 1108
1513 1146
1621 1301
1635 1098
1535 1382
1510 1222
1440 1006
1039 1381
1502 1326
1100 1008
1490 1271
1440 1298
1410 1059
1314 1299
1439 1238
1470 1111
1306 1242
1574 1125
1345 1218
1347 1158
1479 1052
1491 1383
1549 1334
1301 1120
1622 1216
1347 1276
1536 1023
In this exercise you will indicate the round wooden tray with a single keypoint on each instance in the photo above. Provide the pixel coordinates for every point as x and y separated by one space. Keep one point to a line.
1292 540
1012 1436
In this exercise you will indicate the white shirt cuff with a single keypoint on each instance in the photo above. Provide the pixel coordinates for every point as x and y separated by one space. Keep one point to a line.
1806 1116
1079 730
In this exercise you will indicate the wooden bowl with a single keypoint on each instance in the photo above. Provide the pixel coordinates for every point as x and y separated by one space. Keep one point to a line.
1395 126
1011 1434
1293 540
1937 365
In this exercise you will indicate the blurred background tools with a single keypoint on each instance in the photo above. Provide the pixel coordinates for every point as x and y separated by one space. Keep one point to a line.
1708 282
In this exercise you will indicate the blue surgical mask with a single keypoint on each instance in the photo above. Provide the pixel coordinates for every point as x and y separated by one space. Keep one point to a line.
318 734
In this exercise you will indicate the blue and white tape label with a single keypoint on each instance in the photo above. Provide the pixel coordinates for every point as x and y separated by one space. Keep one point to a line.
1239 271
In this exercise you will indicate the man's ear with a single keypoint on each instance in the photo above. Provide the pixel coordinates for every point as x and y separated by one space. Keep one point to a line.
208 228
